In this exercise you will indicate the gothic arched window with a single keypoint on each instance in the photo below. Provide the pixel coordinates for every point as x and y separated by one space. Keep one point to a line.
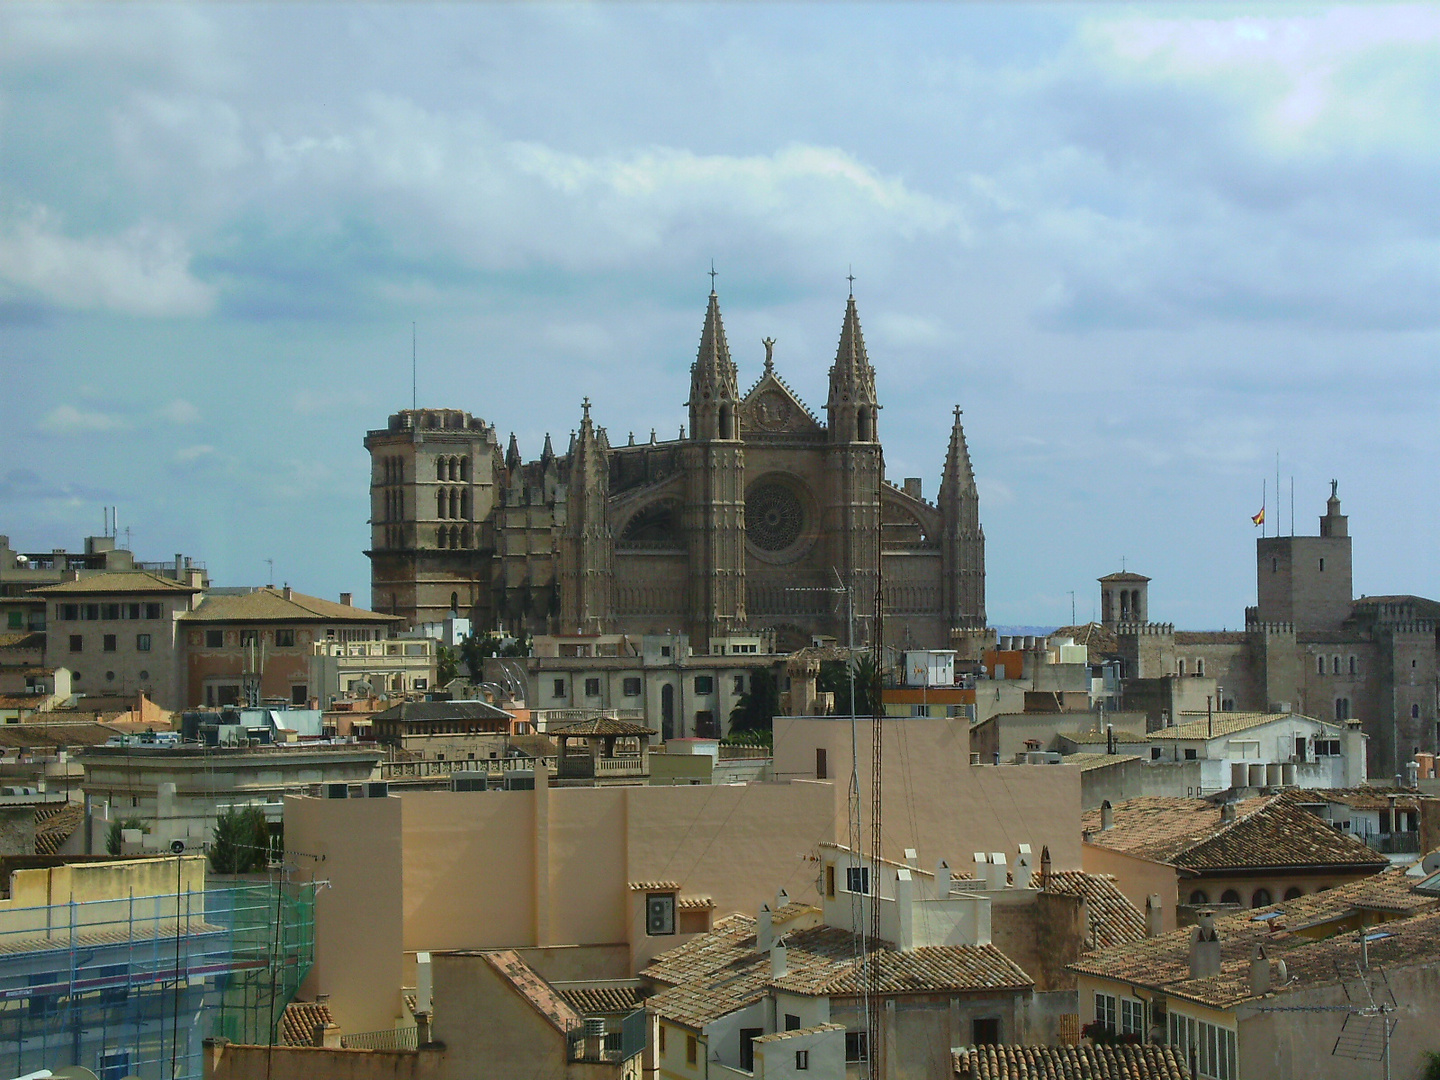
465 503
454 503
864 425
441 502
441 535
440 468
465 468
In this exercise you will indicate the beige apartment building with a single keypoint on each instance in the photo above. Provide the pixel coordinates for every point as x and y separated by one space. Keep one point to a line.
551 871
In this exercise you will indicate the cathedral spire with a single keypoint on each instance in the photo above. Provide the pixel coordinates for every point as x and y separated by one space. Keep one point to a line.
512 455
713 388
852 403
958 479
547 456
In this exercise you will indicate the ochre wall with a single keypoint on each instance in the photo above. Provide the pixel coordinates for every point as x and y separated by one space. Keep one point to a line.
1136 878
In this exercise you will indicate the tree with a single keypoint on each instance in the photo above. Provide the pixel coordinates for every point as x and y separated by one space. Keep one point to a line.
114 836
447 664
241 841
755 709
835 679
475 648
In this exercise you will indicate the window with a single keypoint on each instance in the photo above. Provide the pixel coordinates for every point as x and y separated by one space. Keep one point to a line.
1322 566
1180 666
739 684
558 690
659 914
661 1043
985 1031
1352 665
857 880
830 882
1319 665
142 642
792 1022
1294 893
1335 665
154 611
592 687
132 611
1414 712
299 693
77 643
111 994
855 1046
67 612
1200 666
1327 747
664 650
214 639
632 686
747 1047
802 1060
1261 898
90 612
704 684
1105 1010
110 611
114 1064
108 643
1274 566
44 1004
1132 1017
1154 753
822 767
1230 896
1190 753
690 1049
1342 708
109 676
284 639
1210 1048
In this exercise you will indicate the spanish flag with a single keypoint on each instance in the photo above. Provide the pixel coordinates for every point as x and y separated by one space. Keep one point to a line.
1259 519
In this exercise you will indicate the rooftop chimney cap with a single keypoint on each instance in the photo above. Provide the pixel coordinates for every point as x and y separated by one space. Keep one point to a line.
1107 815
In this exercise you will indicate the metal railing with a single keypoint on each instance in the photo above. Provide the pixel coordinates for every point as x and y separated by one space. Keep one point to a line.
1400 843
406 1038
612 1046
396 770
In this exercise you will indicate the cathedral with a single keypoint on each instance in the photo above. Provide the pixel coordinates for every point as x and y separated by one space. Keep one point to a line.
759 517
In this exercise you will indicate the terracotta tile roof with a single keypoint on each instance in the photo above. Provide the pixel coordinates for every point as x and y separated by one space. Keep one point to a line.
795 1033
444 710
297 1025
1314 935
1089 762
132 581
543 997
593 1001
1125 575
694 903
1365 798
270 605
600 725
1114 920
792 909
62 733
654 886
1200 727
1087 738
33 639
1268 831
53 827
716 973
1068 1063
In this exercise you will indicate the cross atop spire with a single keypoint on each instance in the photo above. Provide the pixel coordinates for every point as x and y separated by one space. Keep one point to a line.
850 277
585 408
712 277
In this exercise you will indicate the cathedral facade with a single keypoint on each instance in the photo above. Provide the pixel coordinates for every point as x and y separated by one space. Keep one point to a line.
760 516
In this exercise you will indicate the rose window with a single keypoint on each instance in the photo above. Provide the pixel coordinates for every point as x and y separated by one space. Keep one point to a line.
774 517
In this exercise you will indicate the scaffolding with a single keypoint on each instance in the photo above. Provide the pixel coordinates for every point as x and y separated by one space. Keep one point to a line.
132 985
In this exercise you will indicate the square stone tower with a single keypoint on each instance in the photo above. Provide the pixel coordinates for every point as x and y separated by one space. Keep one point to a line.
1305 580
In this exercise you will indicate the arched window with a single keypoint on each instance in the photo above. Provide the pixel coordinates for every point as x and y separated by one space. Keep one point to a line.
441 503
1335 665
1180 665
1200 666
1230 896
465 540
454 503
465 468
864 425
1414 712
1319 665
1294 892
454 536
440 468
725 422
1352 665
441 536
1342 708
465 504
1199 897
1261 898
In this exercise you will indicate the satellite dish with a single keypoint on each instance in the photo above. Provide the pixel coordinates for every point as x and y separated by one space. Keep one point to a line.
72 1072
1431 862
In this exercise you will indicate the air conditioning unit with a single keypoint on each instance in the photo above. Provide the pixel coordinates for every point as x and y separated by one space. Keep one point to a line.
377 789
469 783
337 791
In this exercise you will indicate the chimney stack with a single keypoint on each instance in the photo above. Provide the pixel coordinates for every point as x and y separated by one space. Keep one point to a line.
942 880
764 929
982 869
346 598
778 953
905 910
1154 915
1107 816
1227 812
1024 860
781 899
999 872
1045 869
286 592
1259 972
1205 948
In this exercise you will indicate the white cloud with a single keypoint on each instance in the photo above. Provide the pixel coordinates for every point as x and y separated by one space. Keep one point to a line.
68 420
180 411
193 453
142 271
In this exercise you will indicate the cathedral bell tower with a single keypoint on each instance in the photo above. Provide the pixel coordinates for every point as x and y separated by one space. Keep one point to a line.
714 514
855 464
962 547
587 545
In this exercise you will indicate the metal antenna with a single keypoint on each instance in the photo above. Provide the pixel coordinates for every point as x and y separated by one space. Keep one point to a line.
271 579
414 395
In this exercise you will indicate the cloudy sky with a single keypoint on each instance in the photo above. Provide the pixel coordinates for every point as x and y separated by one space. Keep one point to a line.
1145 249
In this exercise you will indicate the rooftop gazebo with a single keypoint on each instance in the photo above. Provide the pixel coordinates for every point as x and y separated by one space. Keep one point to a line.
602 750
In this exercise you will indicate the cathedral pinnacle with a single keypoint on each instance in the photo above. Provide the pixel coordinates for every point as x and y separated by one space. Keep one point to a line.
512 455
958 477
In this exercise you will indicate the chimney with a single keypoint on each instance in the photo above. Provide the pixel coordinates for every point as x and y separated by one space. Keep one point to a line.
781 899
423 1034
1205 948
1154 916
982 869
778 953
998 870
1024 862
1107 816
1045 869
346 598
327 1035
942 880
912 858
905 910
285 592
1227 812
764 929
594 1037
1259 973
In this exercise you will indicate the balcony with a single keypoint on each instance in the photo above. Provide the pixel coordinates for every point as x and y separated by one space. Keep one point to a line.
585 767
592 1043
1400 843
